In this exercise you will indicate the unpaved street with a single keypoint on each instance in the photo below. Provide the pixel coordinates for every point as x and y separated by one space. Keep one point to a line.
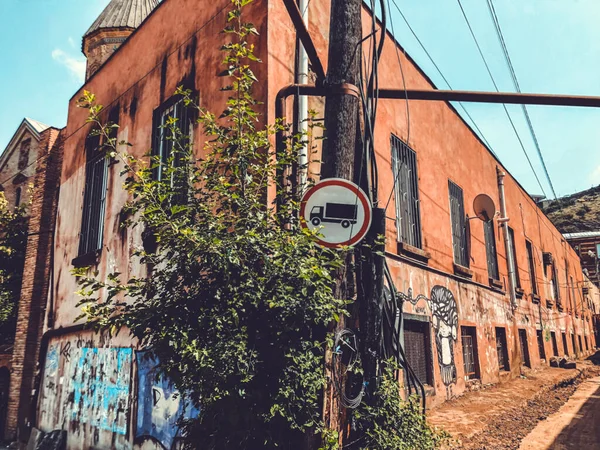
576 425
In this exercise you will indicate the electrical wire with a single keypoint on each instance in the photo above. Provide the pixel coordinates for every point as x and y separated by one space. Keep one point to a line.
511 68
498 90
461 104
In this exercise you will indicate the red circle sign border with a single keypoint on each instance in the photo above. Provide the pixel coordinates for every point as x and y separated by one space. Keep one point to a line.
359 194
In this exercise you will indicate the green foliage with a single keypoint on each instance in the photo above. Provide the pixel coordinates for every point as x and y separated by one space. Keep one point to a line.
388 422
237 296
13 241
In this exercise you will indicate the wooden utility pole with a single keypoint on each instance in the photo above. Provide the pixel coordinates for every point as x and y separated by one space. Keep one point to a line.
341 150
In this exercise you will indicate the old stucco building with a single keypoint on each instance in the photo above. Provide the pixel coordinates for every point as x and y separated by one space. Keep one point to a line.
460 328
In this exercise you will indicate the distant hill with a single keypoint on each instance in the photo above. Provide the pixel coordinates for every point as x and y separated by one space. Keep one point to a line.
576 212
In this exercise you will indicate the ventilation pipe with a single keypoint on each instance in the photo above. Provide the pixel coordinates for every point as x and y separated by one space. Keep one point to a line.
503 221
302 125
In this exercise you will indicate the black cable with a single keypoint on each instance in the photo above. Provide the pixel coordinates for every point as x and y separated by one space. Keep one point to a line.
511 68
498 90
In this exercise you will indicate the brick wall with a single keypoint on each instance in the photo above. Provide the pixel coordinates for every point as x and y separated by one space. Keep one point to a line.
34 290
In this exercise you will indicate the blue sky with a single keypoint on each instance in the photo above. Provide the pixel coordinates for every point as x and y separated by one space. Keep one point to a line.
554 45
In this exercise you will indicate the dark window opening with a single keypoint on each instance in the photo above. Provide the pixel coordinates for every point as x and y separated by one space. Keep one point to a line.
18 197
573 298
459 225
526 361
408 215
531 261
565 347
469 348
502 349
555 287
540 341
490 249
580 345
554 343
573 344
513 246
24 154
94 197
417 348
587 344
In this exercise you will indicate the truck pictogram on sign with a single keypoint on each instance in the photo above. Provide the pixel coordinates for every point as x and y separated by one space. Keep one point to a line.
339 210
341 213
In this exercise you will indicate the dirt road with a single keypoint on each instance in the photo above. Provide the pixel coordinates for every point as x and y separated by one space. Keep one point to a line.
576 425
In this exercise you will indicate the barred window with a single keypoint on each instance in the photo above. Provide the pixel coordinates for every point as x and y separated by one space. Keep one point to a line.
513 246
490 249
459 225
469 348
531 261
406 191
165 138
418 349
94 197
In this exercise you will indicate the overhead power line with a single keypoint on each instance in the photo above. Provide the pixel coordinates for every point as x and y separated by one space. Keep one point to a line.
498 90
481 135
513 74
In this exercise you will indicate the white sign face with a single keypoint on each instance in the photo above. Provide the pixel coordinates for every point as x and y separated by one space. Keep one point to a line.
339 209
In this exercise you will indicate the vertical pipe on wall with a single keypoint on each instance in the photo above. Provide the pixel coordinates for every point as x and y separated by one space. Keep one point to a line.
302 125
507 244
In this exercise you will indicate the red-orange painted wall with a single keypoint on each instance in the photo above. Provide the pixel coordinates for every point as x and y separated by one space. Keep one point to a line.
179 44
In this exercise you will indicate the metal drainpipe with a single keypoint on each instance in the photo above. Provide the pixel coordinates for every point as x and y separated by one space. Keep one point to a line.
302 126
507 245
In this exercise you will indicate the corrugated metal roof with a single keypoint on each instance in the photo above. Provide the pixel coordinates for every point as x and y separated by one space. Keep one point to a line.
123 14
581 235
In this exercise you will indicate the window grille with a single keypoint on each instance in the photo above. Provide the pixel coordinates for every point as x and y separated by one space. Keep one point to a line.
555 287
490 249
165 138
459 226
406 191
540 342
502 349
531 261
94 197
417 348
469 348
511 234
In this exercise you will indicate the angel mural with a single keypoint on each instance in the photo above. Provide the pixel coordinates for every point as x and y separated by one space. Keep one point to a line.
445 324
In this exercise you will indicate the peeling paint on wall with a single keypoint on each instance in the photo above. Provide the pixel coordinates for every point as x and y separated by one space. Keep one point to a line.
99 387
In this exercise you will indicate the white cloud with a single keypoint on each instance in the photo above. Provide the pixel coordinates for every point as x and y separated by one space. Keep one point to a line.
74 65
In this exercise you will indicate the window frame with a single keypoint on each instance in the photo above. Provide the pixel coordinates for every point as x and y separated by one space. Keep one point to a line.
458 221
406 193
470 361
162 147
524 347
425 329
532 270
491 251
502 350
540 341
513 245
91 235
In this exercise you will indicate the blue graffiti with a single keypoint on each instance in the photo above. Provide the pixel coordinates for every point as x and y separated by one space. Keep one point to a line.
52 360
101 387
160 406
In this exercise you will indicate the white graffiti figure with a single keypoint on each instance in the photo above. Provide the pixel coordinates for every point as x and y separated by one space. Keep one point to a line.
445 324
165 407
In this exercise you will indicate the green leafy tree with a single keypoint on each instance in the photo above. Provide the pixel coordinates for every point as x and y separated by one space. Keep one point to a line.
13 242
238 296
